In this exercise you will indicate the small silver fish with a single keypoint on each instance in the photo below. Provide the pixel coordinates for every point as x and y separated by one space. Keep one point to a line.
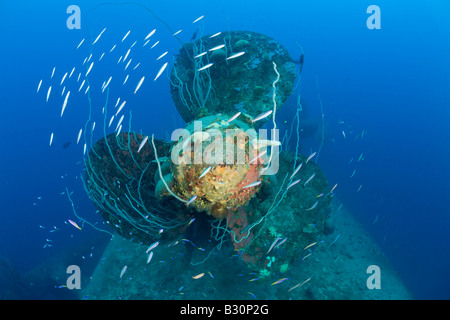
310 157
234 117
236 55
296 170
48 92
150 257
65 103
124 269
205 172
205 67
126 35
217 48
262 115
254 184
63 78
98 37
154 45
139 84
215 35
162 55
273 244
279 244
160 71
310 178
314 205
150 34
121 107
199 18
293 184
90 68
80 43
200 54
126 55
191 200
153 246
142 143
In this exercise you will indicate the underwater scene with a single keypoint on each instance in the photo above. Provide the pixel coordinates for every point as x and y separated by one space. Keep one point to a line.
212 150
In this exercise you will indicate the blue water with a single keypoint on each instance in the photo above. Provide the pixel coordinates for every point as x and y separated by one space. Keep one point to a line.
393 83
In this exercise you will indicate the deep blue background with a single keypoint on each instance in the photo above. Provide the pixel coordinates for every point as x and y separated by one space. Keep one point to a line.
393 83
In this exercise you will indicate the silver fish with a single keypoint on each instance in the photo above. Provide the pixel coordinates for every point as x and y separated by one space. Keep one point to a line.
296 170
262 115
128 63
234 117
205 67
199 18
154 44
215 35
48 92
121 107
162 55
310 178
217 48
200 54
293 183
98 37
205 172
273 243
160 71
149 257
139 84
120 121
63 78
152 246
126 35
126 55
191 200
111 121
236 55
80 43
79 135
254 184
314 205
150 34
310 157
142 143
123 271
90 68
65 103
